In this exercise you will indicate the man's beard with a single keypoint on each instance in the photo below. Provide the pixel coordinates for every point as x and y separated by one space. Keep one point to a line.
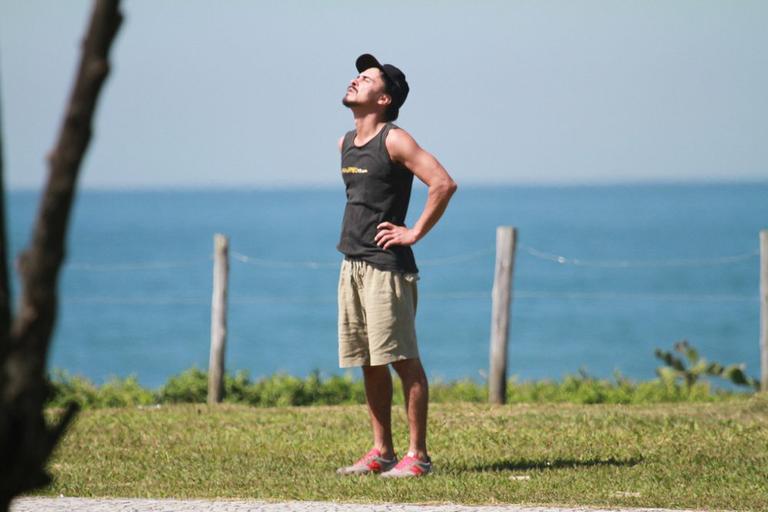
347 103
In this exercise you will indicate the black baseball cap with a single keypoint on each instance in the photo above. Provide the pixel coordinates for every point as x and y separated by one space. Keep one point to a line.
397 86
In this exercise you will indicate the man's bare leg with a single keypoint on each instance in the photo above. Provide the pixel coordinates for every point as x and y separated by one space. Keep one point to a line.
378 395
416 391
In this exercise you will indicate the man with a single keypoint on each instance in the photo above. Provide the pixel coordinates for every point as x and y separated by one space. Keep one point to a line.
377 283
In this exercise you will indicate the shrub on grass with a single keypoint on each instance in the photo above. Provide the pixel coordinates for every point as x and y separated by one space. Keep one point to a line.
188 386
123 393
339 389
464 390
66 388
116 392
239 389
694 367
281 390
584 389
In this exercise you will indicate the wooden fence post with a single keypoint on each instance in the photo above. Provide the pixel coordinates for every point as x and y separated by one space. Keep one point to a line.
218 319
764 310
506 238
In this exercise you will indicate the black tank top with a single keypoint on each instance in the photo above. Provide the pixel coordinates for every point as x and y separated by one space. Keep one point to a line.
378 190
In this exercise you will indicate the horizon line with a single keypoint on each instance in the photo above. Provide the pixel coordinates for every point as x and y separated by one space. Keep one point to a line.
245 187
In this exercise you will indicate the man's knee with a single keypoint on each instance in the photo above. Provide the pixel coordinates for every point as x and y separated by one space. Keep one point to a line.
376 372
411 370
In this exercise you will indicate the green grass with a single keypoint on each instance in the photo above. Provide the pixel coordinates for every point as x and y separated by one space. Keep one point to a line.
682 455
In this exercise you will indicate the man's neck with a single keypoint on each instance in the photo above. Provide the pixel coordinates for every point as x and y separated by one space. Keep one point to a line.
367 125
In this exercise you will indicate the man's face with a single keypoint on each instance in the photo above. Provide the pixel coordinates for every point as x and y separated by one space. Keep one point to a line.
367 88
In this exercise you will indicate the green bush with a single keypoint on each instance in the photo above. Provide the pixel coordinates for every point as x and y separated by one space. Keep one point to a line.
116 392
464 390
695 367
342 390
279 390
238 389
190 386
584 389
66 388
124 393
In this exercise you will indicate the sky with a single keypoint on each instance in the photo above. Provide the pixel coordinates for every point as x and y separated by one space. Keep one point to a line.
248 93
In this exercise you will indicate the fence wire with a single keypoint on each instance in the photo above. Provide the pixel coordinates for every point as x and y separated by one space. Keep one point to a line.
696 262
552 257
448 260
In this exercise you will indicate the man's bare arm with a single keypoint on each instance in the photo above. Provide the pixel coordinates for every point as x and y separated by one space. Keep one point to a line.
403 149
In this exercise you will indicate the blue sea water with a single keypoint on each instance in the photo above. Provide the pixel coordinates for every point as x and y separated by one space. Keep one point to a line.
603 276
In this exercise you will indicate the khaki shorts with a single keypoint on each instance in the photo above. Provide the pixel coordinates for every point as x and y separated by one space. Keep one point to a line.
377 313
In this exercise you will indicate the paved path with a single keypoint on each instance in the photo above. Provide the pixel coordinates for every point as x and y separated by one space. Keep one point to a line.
147 505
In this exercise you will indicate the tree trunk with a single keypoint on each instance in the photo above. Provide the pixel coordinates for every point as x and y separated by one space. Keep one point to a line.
5 285
26 441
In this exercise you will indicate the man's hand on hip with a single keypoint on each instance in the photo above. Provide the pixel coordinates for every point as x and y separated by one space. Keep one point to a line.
390 234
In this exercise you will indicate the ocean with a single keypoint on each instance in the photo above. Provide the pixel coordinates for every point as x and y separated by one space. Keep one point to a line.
603 276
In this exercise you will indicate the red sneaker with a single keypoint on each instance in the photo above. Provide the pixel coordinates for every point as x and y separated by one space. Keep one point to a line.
371 462
410 466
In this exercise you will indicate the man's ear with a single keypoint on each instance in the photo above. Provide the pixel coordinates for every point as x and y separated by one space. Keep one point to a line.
384 99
